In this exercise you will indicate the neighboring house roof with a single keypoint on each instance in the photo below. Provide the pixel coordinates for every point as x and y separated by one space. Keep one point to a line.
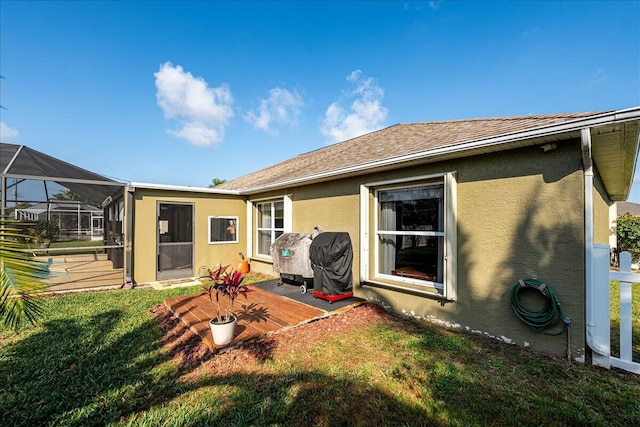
403 144
624 207
61 205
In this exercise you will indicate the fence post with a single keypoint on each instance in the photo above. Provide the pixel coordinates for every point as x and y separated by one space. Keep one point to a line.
625 309
598 317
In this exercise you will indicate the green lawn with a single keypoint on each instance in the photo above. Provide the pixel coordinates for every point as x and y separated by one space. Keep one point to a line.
96 359
71 244
87 247
615 320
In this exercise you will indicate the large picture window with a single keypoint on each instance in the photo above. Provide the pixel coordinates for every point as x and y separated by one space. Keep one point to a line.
269 224
223 229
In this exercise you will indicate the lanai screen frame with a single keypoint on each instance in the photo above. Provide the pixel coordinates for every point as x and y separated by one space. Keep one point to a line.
20 162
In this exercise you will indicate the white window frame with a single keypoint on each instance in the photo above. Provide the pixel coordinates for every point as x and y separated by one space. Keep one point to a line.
252 225
226 217
369 232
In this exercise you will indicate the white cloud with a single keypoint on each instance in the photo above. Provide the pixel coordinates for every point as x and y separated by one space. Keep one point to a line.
8 133
201 111
366 113
281 107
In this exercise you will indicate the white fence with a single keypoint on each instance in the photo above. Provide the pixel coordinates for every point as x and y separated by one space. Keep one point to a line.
601 306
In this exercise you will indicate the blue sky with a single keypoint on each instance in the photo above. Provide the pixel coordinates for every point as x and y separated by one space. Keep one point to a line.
184 92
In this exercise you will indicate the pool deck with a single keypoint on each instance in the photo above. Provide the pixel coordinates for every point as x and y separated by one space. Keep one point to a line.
81 272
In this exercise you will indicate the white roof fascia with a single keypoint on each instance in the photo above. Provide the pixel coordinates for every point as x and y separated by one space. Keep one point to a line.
167 187
565 127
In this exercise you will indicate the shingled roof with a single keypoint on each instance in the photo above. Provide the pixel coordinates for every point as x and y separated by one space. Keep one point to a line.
394 142
624 207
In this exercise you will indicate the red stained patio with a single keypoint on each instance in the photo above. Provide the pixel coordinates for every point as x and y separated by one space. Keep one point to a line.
260 314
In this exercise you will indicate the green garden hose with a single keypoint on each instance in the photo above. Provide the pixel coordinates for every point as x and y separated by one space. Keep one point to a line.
544 318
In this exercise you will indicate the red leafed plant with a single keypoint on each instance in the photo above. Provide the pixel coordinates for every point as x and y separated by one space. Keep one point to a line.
224 284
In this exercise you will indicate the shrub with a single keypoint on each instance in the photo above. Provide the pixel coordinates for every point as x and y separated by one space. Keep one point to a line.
628 235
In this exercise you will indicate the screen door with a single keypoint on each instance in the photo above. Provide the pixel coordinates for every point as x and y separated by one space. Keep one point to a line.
175 241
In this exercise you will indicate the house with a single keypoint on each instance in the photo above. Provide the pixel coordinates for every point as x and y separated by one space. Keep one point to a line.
178 232
74 219
445 217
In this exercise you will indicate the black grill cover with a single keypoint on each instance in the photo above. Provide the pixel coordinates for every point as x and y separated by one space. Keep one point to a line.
331 255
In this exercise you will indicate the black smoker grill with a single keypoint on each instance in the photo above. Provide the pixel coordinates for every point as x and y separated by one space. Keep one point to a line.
331 255
290 255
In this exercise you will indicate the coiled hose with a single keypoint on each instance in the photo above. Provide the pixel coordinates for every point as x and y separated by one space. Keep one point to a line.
544 318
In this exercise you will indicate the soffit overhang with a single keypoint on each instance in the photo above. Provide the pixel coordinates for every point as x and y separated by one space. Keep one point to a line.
614 149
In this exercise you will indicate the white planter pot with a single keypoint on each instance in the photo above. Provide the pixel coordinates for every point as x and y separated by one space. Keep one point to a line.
222 332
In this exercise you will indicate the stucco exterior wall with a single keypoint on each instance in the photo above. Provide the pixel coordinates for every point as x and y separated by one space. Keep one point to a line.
602 230
334 206
204 254
519 215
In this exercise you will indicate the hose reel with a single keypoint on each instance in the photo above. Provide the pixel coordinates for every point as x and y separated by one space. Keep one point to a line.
543 318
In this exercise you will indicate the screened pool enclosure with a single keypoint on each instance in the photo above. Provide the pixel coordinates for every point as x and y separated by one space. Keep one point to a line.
36 187
75 220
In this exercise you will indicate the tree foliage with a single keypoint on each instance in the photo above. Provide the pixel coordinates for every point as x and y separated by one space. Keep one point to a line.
68 195
628 235
217 181
43 231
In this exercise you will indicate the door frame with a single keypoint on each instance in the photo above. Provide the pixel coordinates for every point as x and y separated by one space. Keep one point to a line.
158 243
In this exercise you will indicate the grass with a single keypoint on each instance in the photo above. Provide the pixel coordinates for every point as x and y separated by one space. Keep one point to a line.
71 244
87 246
96 359
615 320
77 243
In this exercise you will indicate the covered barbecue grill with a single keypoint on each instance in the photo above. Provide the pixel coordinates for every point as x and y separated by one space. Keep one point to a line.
290 255
331 255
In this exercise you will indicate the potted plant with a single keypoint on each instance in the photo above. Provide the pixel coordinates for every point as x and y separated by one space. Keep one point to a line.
224 285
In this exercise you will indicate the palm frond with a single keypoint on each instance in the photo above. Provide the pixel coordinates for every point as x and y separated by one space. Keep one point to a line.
21 276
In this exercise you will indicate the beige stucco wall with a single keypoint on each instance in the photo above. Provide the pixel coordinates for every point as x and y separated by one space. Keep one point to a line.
601 216
204 254
520 214
334 206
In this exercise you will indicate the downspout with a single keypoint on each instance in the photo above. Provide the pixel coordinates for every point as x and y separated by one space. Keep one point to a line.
126 238
587 161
